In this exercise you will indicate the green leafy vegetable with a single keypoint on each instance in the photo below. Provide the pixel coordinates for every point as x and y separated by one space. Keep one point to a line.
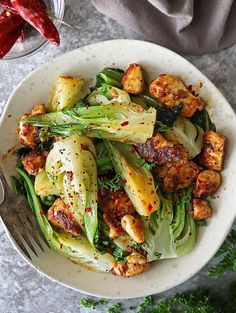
145 164
67 91
49 200
188 134
201 223
112 184
123 122
147 302
75 248
110 76
228 252
165 115
102 241
138 181
202 119
90 303
170 231
116 308
161 127
119 254
107 94
17 185
71 167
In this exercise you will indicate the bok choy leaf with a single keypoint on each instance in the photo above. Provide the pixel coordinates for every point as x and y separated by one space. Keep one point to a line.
75 248
138 181
71 166
126 122
170 231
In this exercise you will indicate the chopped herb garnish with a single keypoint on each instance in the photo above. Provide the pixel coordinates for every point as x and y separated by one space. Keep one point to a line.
201 223
145 164
119 255
116 308
113 184
228 252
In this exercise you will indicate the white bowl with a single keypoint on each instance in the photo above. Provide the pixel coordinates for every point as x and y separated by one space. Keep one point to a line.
87 61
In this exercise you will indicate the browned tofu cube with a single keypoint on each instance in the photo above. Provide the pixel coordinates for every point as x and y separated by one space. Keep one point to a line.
212 153
34 162
28 133
158 149
208 181
60 216
201 209
177 175
133 80
171 91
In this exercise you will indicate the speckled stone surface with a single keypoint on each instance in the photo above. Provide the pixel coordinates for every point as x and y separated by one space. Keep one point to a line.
22 289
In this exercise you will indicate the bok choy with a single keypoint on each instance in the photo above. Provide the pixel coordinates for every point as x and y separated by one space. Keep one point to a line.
75 248
138 181
117 121
170 231
71 166
188 134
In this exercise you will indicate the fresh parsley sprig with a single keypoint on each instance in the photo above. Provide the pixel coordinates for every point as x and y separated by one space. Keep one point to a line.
228 252
112 184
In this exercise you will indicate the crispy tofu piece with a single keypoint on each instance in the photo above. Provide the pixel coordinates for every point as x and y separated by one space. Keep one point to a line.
177 176
134 227
115 205
28 133
171 91
136 264
60 216
208 181
158 149
34 162
133 81
201 209
212 153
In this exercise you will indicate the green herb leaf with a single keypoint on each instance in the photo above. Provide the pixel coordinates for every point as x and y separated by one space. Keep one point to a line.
116 308
88 303
228 252
119 254
201 223
148 301
146 165
113 184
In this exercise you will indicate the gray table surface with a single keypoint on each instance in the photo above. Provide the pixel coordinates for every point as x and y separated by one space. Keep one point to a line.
22 289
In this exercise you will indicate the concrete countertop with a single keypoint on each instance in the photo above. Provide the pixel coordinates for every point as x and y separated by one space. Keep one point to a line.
22 289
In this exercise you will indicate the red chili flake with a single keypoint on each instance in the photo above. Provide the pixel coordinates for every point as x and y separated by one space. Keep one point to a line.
71 203
124 123
84 147
132 150
69 175
149 207
190 87
152 192
87 106
142 123
41 212
141 109
61 245
88 210
95 258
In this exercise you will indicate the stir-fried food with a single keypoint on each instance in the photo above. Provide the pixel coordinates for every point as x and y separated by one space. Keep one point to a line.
119 178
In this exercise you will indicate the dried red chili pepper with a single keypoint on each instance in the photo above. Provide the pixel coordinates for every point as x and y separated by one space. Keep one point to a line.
6 4
11 26
9 22
35 13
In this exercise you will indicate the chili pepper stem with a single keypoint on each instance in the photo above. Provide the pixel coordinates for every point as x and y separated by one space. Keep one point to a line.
59 20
